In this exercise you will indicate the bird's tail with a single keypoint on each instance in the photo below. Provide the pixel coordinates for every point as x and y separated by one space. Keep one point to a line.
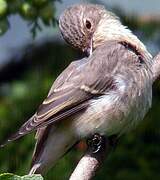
56 142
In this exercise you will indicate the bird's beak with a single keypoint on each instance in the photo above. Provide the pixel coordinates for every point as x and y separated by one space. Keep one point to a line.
89 49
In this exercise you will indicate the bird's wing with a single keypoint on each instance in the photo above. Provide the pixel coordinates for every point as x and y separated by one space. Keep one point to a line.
69 72
72 70
42 133
61 79
94 79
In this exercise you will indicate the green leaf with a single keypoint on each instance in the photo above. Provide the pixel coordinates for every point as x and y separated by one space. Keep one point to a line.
8 176
3 7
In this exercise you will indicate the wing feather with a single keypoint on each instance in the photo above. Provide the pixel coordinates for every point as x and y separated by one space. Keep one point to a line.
76 86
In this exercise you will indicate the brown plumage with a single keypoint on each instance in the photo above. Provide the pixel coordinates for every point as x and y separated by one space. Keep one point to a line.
106 93
78 23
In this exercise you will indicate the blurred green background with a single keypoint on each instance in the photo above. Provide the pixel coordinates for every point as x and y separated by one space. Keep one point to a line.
28 66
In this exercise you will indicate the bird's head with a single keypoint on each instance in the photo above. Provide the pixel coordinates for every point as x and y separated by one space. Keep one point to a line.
87 26
78 24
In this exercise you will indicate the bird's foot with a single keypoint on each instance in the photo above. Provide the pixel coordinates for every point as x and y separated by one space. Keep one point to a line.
96 143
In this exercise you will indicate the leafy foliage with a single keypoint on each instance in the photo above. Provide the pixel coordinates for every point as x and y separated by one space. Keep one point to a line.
33 11
8 176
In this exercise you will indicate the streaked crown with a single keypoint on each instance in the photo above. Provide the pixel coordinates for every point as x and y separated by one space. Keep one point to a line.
78 23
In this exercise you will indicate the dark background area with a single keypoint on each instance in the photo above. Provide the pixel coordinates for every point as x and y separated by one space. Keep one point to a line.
25 79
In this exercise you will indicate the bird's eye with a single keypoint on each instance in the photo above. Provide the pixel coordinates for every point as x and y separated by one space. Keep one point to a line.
88 24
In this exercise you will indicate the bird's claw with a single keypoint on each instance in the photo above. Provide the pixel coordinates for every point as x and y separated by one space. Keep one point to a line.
96 143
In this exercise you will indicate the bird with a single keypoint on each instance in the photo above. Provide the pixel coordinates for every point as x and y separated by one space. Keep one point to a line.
108 92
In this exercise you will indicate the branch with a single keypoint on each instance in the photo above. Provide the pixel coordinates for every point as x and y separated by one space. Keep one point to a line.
156 67
90 163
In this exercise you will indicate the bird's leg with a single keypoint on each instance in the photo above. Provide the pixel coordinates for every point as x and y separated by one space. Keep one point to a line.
96 143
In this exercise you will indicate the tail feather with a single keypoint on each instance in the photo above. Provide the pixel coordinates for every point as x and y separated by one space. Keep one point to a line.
34 168
50 148
41 136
